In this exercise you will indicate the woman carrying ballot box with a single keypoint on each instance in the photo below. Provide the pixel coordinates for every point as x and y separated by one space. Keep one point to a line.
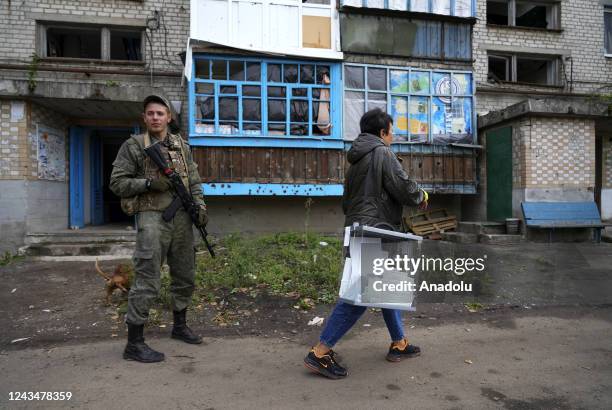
365 201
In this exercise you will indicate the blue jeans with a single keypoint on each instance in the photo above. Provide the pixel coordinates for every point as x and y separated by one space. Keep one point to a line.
344 317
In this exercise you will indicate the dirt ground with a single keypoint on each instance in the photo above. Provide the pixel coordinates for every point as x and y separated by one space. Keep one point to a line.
540 340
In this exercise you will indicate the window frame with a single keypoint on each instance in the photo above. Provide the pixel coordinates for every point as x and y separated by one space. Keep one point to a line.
556 24
264 139
409 94
452 3
607 53
513 73
105 41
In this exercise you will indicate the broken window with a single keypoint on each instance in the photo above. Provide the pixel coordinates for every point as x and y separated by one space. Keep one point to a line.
231 98
125 45
542 70
499 68
91 42
537 70
74 42
524 13
497 12
424 104
608 29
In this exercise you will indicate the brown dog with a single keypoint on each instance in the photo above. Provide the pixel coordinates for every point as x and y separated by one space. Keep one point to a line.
120 279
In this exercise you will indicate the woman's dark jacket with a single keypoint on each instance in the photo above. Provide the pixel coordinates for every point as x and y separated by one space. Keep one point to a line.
376 185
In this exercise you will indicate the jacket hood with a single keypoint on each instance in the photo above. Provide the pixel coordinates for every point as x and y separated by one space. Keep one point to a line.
362 145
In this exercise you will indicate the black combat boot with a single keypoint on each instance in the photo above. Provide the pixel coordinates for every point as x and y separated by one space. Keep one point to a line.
181 331
137 349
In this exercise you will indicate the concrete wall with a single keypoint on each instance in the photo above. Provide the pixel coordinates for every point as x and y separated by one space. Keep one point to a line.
13 211
30 206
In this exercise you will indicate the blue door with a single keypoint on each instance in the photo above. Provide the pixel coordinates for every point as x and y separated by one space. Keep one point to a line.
77 200
97 191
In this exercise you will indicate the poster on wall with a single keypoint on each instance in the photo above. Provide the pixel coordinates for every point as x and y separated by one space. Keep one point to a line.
51 154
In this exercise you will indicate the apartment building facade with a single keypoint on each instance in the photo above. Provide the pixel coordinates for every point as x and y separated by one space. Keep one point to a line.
543 80
72 78
269 95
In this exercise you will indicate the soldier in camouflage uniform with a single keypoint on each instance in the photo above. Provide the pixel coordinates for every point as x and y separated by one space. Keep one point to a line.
146 193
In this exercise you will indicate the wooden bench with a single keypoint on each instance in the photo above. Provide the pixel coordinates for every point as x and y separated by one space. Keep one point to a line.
559 215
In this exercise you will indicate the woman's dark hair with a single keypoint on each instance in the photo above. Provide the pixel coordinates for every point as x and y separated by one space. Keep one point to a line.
375 120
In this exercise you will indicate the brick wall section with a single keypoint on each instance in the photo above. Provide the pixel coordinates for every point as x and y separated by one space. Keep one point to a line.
14 149
20 38
553 153
582 22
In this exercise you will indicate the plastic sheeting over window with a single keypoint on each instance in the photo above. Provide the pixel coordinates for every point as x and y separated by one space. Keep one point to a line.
237 97
426 105
399 36
462 8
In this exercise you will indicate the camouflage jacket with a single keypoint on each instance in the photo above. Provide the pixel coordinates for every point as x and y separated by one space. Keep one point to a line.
133 167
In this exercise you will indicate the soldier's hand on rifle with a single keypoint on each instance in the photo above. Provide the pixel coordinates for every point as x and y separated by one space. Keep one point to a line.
159 185
202 216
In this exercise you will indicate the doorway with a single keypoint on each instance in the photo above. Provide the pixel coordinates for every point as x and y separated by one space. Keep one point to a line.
110 142
93 151
499 174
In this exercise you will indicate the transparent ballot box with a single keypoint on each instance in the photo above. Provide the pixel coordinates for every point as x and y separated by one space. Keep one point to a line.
378 267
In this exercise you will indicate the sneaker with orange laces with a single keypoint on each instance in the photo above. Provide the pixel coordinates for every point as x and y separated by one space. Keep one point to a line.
396 353
326 365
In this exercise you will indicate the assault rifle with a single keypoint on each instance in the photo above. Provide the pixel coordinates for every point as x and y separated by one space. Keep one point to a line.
183 197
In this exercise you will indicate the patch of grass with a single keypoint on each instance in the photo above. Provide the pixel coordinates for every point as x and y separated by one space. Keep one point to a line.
9 258
284 262
474 307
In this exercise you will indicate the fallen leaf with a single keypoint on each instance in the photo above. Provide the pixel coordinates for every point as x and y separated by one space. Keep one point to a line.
114 335
468 361
21 339
162 326
46 310
366 325
14 290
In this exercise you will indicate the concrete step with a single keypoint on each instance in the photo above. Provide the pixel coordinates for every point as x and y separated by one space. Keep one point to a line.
81 249
496 239
459 237
85 236
482 227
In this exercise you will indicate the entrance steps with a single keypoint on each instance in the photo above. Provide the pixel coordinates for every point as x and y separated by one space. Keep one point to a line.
493 233
88 242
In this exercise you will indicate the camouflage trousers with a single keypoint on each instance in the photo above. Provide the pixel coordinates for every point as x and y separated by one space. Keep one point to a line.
158 241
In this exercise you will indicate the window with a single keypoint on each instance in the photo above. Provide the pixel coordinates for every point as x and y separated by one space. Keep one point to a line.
608 28
462 8
91 42
523 13
74 42
238 97
125 45
426 105
397 36
529 69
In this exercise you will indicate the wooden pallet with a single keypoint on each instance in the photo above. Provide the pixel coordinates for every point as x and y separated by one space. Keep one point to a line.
431 222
